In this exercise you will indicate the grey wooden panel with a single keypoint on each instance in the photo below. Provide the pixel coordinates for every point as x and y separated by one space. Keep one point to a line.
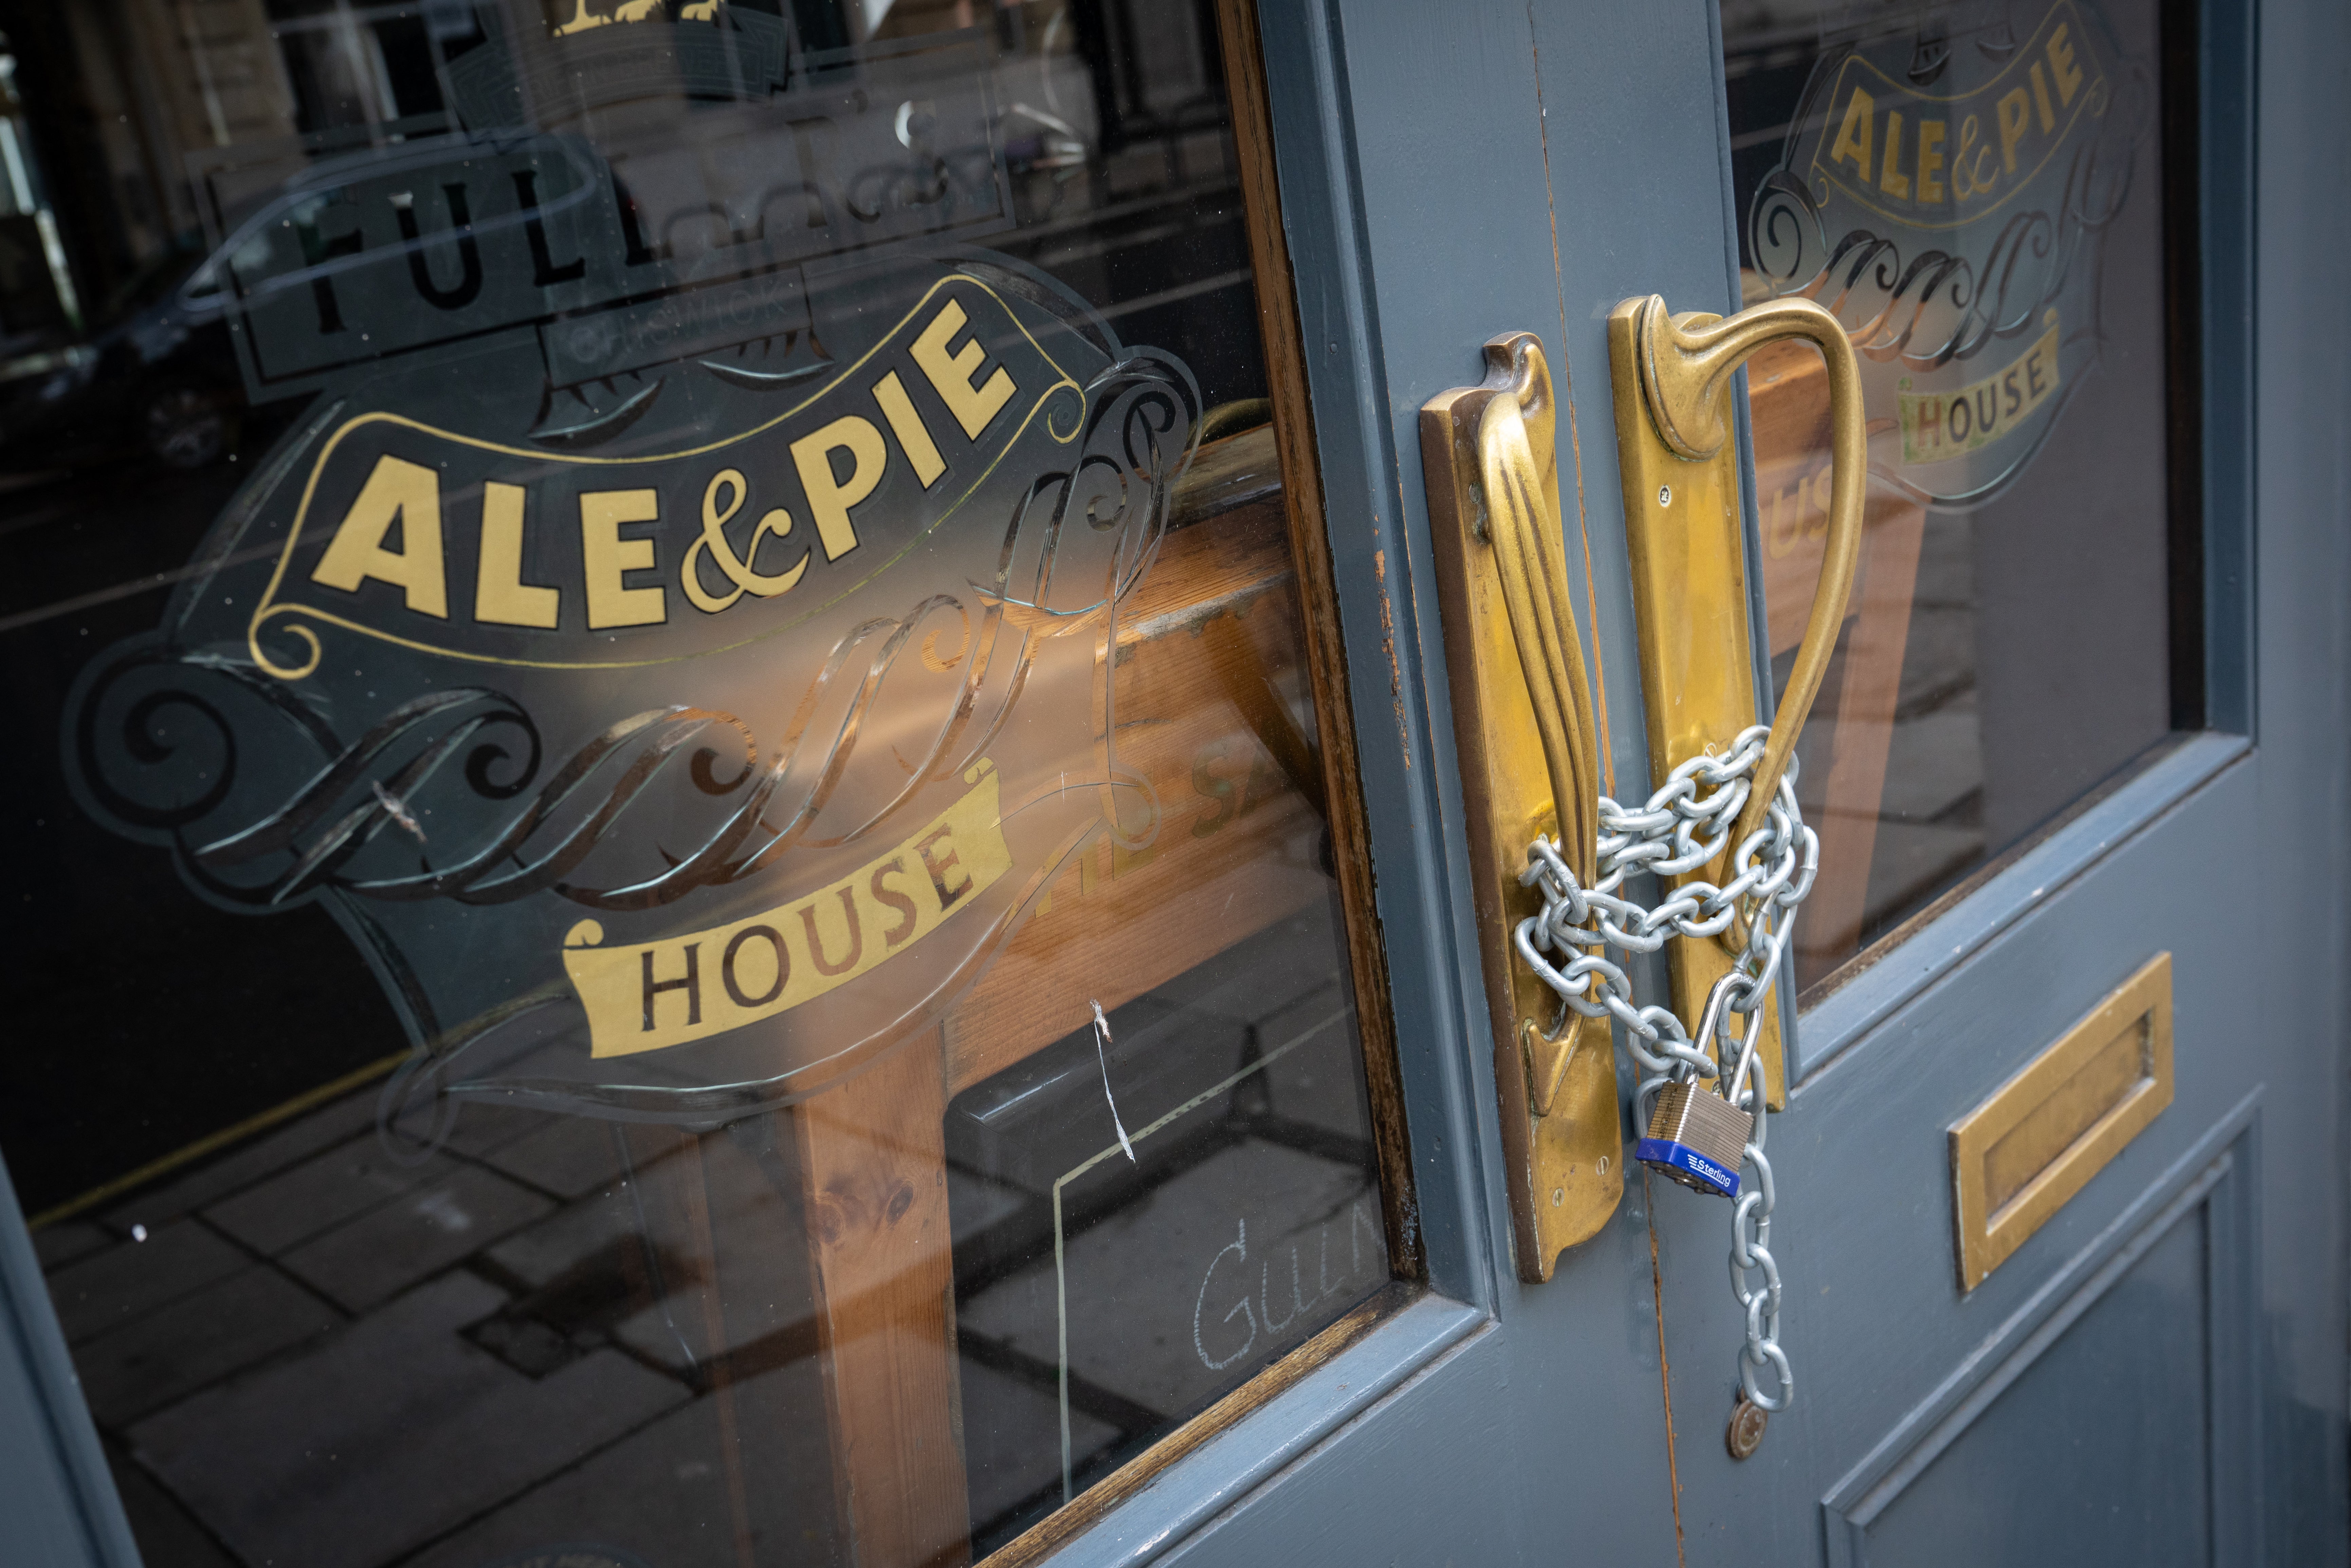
1868 1217
1899 977
2294 1006
57 1507
1636 139
1405 1483
1876 1321
1350 1388
2211 855
2117 1350
1313 99
1414 244
2044 1473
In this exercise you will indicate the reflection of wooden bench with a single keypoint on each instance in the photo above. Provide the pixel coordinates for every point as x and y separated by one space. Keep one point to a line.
1788 393
1210 708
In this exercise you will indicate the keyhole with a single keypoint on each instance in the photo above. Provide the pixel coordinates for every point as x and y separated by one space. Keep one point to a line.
1665 494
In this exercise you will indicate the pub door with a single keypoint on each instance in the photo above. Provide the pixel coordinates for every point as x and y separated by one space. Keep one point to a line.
2015 508
775 763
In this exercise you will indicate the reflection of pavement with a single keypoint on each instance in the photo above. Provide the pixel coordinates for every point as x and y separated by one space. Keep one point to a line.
555 1333
320 1356
1100 1302
1930 822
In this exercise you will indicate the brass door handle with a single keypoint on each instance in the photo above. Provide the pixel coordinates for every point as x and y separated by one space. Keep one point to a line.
1672 385
1522 707
1686 363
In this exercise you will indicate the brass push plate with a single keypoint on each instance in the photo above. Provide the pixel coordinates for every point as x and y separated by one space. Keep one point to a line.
1689 600
1566 1166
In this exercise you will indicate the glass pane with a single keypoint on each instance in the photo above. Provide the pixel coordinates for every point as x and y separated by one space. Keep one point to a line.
675 902
1978 193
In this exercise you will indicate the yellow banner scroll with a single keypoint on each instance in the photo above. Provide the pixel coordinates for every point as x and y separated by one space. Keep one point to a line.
1937 426
647 996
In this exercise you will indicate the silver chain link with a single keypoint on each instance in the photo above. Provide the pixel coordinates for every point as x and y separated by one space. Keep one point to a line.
1683 826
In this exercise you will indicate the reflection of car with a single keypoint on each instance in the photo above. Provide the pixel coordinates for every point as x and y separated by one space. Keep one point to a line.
158 377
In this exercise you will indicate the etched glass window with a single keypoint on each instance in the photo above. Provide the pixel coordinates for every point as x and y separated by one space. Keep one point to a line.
1981 195
677 892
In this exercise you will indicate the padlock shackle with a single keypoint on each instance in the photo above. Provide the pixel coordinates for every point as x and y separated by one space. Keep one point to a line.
1718 1000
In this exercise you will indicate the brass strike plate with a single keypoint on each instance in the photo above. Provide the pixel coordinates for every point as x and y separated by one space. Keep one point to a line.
1689 597
1566 1168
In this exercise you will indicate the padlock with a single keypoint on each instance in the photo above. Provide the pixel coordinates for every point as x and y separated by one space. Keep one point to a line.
1697 1137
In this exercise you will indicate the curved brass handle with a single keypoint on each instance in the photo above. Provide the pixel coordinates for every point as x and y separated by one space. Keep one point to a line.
1685 364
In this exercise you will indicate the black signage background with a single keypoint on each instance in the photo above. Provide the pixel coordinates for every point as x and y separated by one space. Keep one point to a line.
461 795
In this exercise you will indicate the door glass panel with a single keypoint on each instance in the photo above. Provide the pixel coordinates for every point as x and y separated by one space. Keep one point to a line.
675 897
1979 193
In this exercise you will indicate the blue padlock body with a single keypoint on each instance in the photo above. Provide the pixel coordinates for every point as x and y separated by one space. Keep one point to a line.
1682 1158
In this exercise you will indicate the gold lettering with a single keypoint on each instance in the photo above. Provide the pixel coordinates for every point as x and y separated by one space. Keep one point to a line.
712 545
1936 427
1786 523
1891 178
2040 98
1930 159
501 598
825 966
906 424
954 374
399 491
776 959
2062 67
607 558
888 897
830 496
938 867
690 983
2013 109
1852 137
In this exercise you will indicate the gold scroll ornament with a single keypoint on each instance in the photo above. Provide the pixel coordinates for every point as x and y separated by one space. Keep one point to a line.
640 566
646 996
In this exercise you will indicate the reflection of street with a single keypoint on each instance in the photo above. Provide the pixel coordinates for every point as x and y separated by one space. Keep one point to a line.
611 1329
125 1045
263 1363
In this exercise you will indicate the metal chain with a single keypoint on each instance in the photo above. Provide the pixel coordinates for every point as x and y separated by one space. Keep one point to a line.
1683 826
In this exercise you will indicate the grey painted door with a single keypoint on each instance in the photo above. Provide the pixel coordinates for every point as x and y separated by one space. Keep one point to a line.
2104 734
2112 726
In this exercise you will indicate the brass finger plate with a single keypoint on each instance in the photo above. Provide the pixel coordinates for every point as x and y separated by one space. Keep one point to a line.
1672 379
2018 1157
1690 599
1566 1165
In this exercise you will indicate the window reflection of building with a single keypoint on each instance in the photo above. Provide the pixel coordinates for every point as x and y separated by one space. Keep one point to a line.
357 65
2005 648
